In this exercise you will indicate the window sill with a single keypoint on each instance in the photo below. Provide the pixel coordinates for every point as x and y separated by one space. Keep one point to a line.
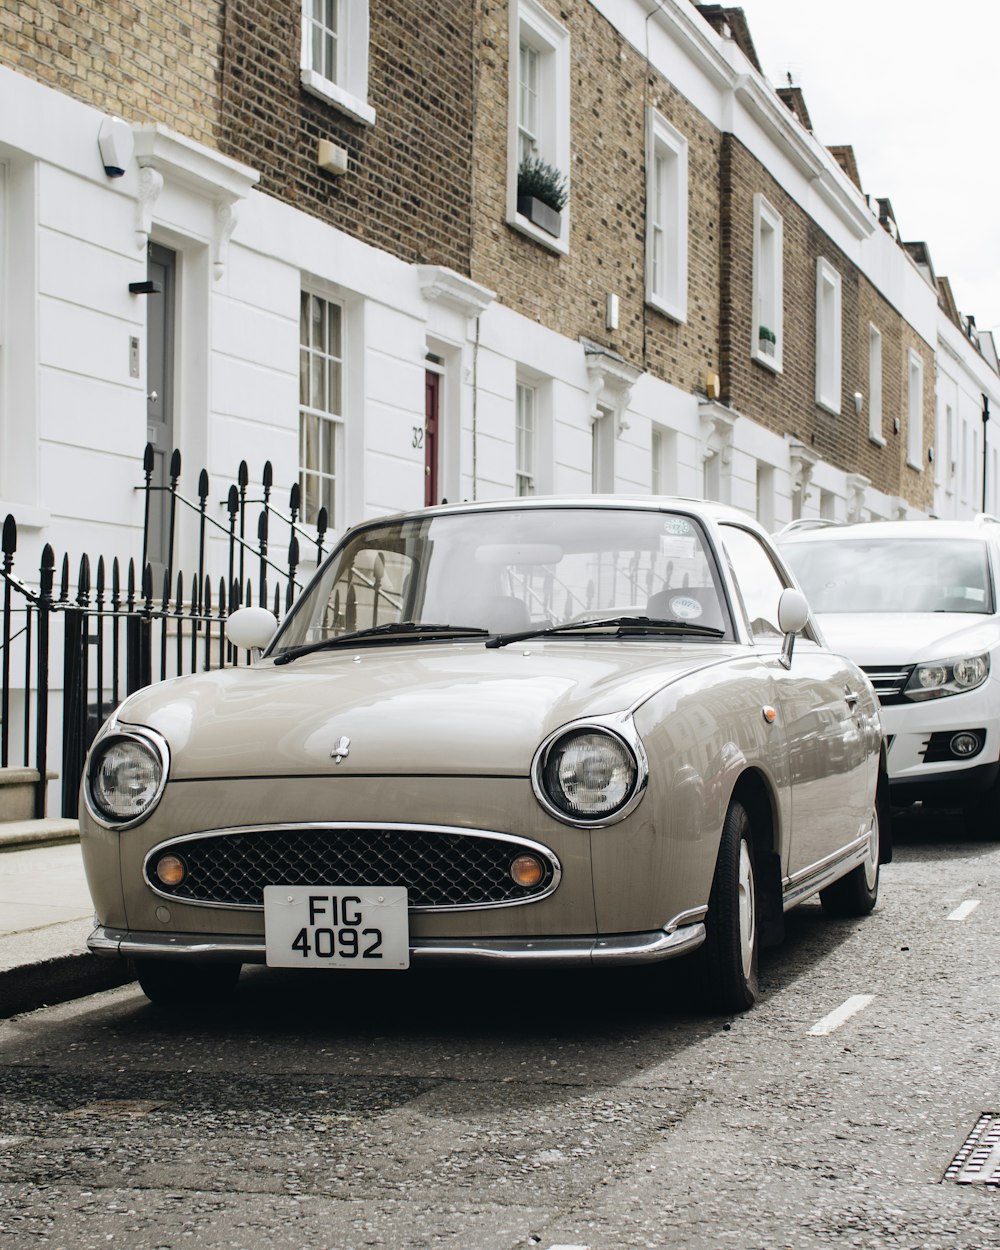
358 110
522 225
876 439
675 311
828 406
917 468
771 363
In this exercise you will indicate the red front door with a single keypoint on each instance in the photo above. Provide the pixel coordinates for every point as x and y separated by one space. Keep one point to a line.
432 395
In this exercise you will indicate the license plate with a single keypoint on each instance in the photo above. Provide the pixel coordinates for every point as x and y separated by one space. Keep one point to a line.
322 926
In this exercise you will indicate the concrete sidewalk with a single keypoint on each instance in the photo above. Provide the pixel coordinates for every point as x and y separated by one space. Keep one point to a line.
45 918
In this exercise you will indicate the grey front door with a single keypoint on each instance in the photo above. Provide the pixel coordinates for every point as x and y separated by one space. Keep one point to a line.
162 270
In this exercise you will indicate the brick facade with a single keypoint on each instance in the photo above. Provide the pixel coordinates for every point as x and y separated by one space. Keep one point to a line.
785 402
609 93
147 62
407 186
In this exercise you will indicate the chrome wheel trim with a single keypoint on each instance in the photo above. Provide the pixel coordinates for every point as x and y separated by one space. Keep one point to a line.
871 856
746 900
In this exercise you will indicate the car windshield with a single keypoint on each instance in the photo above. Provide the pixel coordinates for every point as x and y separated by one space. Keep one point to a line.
507 571
861 574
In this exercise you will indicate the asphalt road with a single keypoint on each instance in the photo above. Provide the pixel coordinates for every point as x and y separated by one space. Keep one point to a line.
325 1112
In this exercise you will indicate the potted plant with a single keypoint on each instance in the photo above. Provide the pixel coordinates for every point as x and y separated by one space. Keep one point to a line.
766 340
541 194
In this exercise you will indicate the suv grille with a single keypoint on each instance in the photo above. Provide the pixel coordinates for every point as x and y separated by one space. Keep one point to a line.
439 868
889 681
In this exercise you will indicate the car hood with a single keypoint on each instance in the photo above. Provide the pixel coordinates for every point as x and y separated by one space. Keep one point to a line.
870 638
424 710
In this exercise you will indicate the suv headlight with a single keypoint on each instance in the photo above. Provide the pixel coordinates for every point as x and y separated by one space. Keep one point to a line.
126 774
588 774
944 677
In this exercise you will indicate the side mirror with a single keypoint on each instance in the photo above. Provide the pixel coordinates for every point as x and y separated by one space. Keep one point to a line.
251 628
793 613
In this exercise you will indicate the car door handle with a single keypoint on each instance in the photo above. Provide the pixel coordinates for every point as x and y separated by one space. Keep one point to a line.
851 699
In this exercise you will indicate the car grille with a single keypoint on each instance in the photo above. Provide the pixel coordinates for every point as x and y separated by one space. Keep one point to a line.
440 869
889 681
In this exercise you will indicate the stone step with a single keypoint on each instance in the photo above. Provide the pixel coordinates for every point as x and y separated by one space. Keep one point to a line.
19 834
17 793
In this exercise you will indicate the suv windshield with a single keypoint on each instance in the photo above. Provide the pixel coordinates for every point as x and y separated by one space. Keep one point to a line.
860 574
507 571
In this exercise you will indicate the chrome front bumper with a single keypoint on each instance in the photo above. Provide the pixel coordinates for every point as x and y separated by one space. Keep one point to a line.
618 949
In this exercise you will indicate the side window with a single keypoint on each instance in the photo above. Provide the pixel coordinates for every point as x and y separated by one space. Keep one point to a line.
758 579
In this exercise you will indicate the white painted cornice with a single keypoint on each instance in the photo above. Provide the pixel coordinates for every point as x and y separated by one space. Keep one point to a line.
445 286
166 158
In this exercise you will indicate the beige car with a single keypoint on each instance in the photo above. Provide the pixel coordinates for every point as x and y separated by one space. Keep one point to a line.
548 732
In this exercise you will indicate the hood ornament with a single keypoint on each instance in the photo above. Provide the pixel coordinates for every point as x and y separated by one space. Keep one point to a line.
341 751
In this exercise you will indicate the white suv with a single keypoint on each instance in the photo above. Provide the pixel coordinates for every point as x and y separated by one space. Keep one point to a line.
915 604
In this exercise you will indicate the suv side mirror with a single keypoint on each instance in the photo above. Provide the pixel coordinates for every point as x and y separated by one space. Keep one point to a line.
793 614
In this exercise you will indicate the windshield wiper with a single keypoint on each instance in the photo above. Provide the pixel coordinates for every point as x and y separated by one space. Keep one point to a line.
409 629
622 625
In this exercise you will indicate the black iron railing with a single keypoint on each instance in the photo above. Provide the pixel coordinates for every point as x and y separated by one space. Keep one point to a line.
114 631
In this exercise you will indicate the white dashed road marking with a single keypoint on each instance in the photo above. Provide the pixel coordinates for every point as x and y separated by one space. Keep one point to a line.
856 1003
964 909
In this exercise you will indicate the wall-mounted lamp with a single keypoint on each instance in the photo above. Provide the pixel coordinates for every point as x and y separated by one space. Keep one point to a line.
895 425
859 402
145 288
331 158
116 145
930 455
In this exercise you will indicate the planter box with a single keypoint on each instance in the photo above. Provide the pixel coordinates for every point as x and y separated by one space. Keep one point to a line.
540 214
766 346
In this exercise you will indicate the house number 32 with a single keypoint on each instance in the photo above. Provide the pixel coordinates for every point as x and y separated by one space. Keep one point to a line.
418 436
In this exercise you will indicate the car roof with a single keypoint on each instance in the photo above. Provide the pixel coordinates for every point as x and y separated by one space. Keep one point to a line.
705 508
977 528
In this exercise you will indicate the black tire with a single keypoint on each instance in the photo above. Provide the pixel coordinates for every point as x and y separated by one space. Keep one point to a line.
727 963
182 984
857 893
982 814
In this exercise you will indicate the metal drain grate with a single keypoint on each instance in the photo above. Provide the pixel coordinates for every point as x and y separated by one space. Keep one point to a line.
978 1162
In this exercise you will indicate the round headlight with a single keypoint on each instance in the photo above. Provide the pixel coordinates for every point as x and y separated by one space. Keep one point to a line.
971 672
126 776
589 774
931 676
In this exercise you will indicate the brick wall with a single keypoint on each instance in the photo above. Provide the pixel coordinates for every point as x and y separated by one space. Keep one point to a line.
408 184
609 93
785 402
143 61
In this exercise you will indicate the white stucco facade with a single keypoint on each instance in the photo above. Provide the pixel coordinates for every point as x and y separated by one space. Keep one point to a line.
73 338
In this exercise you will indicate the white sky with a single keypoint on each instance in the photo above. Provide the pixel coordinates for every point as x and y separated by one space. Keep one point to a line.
913 88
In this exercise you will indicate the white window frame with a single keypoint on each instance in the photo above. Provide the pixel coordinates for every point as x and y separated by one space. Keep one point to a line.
344 85
875 385
914 410
525 439
531 24
666 217
829 346
331 418
768 282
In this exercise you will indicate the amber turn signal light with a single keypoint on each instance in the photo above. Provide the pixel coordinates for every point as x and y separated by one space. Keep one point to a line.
527 870
171 869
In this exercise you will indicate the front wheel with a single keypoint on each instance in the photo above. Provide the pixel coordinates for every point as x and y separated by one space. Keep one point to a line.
182 984
728 959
